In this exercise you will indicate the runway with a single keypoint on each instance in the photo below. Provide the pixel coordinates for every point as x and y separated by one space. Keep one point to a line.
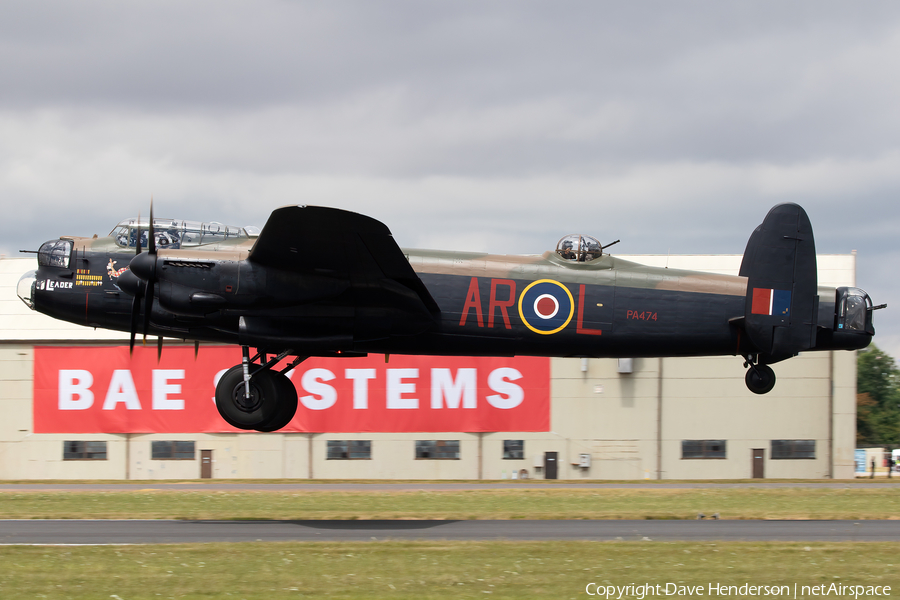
78 532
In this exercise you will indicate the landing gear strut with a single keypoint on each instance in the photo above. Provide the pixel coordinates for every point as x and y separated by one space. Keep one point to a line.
255 396
760 379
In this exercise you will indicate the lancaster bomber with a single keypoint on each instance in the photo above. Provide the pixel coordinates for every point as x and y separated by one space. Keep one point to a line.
327 282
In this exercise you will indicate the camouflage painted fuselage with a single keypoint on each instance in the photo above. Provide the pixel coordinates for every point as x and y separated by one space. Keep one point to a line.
491 305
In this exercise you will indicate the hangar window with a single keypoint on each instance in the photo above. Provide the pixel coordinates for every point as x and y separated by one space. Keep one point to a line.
513 449
349 450
166 450
77 450
703 449
793 449
437 449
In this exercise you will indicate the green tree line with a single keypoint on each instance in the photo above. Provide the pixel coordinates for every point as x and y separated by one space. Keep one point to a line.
877 398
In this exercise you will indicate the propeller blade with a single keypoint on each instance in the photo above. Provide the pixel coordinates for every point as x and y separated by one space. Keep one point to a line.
144 267
196 348
135 313
148 305
137 240
151 246
136 302
159 345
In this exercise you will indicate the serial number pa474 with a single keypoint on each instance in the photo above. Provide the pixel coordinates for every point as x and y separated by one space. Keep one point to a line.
641 315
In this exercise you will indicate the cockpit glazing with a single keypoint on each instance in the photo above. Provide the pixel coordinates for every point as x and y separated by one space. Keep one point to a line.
172 234
579 248
854 309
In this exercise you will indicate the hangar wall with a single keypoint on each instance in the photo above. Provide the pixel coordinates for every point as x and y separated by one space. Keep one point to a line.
631 425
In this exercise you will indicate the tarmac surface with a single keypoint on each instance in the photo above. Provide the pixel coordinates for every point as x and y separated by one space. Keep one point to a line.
90 532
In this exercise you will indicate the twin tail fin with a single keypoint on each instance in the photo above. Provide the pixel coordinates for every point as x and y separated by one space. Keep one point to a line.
782 288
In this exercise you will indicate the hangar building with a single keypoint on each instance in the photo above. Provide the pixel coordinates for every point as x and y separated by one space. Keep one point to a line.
598 419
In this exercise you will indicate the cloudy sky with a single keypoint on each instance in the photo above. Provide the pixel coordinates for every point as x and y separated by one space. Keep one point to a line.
495 126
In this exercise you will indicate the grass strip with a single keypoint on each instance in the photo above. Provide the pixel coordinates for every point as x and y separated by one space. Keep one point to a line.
428 569
555 503
512 483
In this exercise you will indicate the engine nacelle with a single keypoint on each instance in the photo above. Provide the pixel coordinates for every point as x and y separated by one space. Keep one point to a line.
198 287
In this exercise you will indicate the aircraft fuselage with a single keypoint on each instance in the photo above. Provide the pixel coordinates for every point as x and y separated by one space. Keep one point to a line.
487 305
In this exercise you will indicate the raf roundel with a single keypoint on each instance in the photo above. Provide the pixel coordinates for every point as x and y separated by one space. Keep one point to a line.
546 306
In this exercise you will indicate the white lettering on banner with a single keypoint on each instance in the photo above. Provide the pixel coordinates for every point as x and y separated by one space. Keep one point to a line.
216 379
72 383
162 388
443 387
509 395
324 395
396 388
121 389
360 379
447 391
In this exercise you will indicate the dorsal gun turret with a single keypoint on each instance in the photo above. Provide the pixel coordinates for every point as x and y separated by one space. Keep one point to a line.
581 248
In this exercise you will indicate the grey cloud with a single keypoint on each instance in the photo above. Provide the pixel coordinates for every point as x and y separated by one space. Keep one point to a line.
499 126
411 89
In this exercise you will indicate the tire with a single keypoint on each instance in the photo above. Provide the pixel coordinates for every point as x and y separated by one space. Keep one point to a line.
760 379
287 404
262 406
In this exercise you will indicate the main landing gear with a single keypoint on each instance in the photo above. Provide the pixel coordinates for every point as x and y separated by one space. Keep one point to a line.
253 395
760 378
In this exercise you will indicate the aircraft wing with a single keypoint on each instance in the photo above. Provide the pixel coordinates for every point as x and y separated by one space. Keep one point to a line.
330 241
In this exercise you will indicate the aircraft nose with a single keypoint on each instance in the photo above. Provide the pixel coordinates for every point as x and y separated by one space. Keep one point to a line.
25 288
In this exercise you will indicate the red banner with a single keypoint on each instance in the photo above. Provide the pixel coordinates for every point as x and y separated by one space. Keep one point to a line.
104 390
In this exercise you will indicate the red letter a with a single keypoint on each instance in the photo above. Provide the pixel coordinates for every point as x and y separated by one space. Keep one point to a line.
473 300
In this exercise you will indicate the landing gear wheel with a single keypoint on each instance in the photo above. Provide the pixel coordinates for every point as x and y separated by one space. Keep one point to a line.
760 379
248 413
287 404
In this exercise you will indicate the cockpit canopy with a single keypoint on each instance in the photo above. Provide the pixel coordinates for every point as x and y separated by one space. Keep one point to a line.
579 248
171 234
